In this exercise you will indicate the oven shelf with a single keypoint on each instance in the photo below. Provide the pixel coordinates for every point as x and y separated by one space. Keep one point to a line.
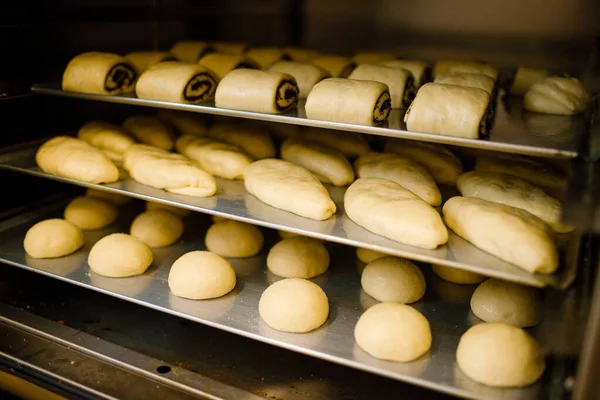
514 130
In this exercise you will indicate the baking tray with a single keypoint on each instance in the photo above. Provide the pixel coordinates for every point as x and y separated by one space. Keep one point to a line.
445 305
514 130
233 201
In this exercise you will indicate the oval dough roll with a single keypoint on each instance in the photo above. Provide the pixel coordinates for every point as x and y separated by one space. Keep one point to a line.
557 95
253 139
337 66
75 159
389 210
186 123
142 60
524 78
327 164
264 57
509 233
289 187
89 213
177 82
100 73
234 239
399 81
258 91
222 64
393 279
298 257
402 170
157 228
479 81
349 101
52 238
151 131
472 67
306 75
190 51
420 70
200 275
351 144
111 139
119 256
373 57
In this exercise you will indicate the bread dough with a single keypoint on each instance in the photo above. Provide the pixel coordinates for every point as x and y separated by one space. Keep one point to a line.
479 81
75 159
524 78
216 219
298 257
472 67
258 91
151 131
172 172
222 64
190 51
200 275
234 239
254 140
441 163
349 143
557 95
157 228
89 213
264 57
373 57
301 54
109 138
515 192
456 275
509 233
113 198
337 66
389 210
52 238
400 81
229 47
186 123
420 70
181 212
500 301
450 110
393 332
99 73
142 60
326 163
366 255
120 255
289 187
393 279
306 75
501 355
294 305
349 101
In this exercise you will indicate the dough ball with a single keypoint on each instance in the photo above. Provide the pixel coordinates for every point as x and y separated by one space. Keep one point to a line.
52 238
216 218
498 354
366 255
393 279
182 212
120 255
200 275
394 332
500 301
234 239
458 276
89 213
113 198
286 235
157 228
294 305
298 257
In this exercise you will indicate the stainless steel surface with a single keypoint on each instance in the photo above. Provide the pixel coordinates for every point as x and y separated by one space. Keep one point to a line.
445 305
510 132
234 202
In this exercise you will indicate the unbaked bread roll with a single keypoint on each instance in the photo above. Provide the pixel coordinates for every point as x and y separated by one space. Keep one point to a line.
177 82
253 139
394 332
217 218
501 355
120 255
289 187
190 51
420 70
351 144
389 210
222 63
229 47
150 130
515 192
479 81
524 78
472 67
456 275
172 172
441 163
75 159
111 139
294 305
337 66
264 57
234 239
366 255
113 198
500 301
142 60
373 57
200 275
393 279
557 95
182 212
399 81
509 233
52 238
186 123
258 91
306 75
157 228
298 257
349 101
99 73
327 164
402 170
88 213
301 54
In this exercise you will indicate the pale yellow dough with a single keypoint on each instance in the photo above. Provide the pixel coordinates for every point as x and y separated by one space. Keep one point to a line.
142 60
157 228
120 255
557 95
254 140
457 276
112 198
190 51
150 130
52 238
265 56
351 144
222 63
186 123
90 213
475 80
393 279
306 75
373 57
216 218
234 239
99 73
524 78
366 255
229 47
337 66
182 212
464 66
399 81
298 257
420 70
111 139
301 54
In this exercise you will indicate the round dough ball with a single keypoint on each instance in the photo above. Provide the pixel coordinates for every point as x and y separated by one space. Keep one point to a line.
120 255
393 279
200 275
181 212
234 239
394 332
52 238
496 300
298 257
287 235
157 228
366 255
498 354
458 276
294 305
89 213
113 198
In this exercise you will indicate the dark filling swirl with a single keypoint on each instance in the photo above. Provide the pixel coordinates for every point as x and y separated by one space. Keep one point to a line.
200 87
119 77
382 108
286 95
485 126
410 91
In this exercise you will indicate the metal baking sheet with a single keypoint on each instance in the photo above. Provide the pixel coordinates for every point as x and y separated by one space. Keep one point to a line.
445 305
232 201
514 131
